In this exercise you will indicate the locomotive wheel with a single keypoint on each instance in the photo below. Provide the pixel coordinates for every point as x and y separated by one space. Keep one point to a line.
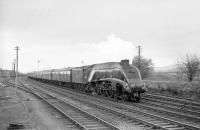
79 88
102 92
138 98
105 93
115 96
99 91
86 90
76 87
111 93
124 97
96 90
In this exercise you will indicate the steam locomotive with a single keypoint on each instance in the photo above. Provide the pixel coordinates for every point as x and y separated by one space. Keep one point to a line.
118 80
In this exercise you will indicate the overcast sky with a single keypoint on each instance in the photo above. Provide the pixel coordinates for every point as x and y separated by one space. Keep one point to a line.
64 33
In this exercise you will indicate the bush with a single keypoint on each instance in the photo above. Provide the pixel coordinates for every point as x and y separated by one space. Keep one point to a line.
185 89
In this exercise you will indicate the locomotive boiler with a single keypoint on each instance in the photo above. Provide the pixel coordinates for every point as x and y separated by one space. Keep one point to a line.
118 80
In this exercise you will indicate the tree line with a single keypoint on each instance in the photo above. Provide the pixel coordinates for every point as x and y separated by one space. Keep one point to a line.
189 66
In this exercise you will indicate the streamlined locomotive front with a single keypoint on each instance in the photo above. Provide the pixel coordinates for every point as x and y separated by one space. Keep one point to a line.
133 79
116 79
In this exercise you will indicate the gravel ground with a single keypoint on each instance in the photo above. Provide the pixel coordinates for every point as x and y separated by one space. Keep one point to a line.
20 109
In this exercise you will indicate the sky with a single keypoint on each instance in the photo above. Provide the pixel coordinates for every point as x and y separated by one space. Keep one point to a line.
69 33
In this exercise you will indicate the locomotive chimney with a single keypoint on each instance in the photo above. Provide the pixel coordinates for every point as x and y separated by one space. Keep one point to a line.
125 62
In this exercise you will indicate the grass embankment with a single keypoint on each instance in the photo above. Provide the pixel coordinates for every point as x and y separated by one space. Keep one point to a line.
175 87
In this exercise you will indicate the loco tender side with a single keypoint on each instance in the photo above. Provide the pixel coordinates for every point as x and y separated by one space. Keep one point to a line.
77 78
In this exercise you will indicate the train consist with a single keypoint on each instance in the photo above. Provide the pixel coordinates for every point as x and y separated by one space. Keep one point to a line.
119 80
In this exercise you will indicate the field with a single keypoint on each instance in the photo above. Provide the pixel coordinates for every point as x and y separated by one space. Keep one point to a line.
170 83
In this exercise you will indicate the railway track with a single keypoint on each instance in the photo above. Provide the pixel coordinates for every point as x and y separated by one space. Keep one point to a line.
76 118
131 113
171 99
182 107
157 92
173 107
172 110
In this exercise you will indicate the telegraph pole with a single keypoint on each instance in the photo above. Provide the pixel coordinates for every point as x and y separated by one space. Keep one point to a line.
38 64
17 49
12 74
139 56
14 70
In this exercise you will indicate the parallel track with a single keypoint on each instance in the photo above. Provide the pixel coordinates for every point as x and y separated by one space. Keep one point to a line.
170 108
80 118
177 97
173 100
193 111
132 112
184 108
